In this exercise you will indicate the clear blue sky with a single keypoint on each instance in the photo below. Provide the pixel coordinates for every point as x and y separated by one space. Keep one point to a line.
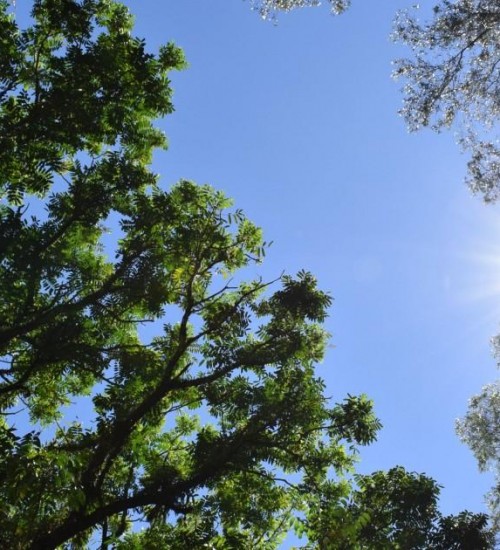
298 123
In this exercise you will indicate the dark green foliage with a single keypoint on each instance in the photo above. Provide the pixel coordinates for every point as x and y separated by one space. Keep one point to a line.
212 429
394 509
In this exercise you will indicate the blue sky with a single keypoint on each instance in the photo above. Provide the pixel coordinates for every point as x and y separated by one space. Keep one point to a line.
298 123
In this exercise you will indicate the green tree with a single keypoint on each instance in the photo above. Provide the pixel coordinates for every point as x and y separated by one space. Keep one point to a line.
480 430
78 97
395 509
453 80
213 432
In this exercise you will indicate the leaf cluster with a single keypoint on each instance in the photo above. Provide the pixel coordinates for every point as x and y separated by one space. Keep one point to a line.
268 9
454 79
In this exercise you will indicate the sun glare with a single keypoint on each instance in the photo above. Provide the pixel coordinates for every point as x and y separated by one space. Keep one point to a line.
476 278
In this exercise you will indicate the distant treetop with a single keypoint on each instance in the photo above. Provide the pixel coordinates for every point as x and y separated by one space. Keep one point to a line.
269 8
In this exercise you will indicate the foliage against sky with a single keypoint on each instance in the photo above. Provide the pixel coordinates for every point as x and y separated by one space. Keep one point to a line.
70 316
480 430
270 8
454 80
78 99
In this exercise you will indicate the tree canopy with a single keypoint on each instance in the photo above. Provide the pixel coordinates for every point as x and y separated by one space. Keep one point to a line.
269 8
454 80
480 430
212 428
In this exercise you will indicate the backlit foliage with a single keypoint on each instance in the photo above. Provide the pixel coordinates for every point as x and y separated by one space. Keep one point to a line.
453 80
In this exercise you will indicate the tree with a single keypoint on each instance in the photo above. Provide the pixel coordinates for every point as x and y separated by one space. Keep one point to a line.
480 430
78 98
269 8
454 80
212 428
396 509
